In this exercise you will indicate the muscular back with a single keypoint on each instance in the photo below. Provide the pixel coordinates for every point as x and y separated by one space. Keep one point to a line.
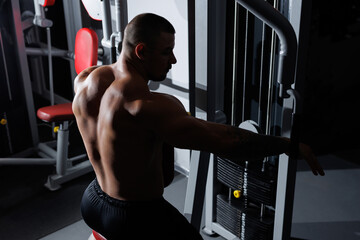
125 154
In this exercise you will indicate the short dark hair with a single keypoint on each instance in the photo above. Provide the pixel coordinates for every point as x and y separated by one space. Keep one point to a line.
146 28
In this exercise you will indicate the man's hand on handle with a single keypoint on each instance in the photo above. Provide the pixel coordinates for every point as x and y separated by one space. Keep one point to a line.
306 153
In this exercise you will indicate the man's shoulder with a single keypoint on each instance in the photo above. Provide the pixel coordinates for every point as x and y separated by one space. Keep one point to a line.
157 104
162 95
165 98
95 72
91 84
104 73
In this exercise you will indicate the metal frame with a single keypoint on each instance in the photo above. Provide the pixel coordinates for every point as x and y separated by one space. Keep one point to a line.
287 169
192 55
121 19
286 77
199 162
73 23
292 108
24 71
65 167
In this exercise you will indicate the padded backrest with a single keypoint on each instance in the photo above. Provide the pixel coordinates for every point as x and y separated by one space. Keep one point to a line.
93 8
98 236
86 49
46 3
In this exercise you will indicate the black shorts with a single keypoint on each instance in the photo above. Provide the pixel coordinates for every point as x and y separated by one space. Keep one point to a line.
116 219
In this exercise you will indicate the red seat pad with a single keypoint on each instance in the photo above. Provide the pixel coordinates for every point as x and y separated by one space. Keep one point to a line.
97 236
57 113
47 3
86 54
86 49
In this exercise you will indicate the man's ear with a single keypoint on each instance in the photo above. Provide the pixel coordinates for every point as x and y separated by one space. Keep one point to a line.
139 50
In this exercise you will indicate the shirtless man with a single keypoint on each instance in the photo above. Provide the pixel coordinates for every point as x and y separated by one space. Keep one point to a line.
129 134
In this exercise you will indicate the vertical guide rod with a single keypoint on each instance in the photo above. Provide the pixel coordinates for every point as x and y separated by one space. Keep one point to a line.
235 58
106 20
5 68
192 66
244 184
24 71
210 109
245 65
261 72
8 134
51 79
271 77
121 20
262 208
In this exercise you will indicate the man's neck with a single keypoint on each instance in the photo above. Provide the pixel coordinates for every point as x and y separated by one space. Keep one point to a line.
127 62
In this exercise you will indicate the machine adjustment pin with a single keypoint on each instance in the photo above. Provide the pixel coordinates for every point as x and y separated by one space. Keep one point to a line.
3 121
237 193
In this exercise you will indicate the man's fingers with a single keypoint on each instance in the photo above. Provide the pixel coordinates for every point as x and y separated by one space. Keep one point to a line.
315 166
312 160
320 170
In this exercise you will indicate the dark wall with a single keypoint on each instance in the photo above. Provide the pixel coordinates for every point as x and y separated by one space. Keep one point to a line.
15 135
333 77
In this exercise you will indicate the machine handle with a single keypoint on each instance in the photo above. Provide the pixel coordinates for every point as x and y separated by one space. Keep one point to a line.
112 54
288 41
296 119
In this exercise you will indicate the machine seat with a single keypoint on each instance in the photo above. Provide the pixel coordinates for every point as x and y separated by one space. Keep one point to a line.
86 54
97 236
56 113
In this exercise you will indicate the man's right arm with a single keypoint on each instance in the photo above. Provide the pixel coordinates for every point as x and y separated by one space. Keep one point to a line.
168 118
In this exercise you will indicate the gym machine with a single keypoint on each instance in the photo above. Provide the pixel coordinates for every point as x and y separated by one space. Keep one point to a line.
59 111
51 152
259 197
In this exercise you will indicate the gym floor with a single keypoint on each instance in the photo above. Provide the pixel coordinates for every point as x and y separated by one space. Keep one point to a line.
325 207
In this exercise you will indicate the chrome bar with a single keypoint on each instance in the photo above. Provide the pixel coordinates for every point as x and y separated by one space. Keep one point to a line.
288 41
45 52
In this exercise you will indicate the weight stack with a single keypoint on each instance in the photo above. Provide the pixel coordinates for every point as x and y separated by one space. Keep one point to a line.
244 223
261 186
